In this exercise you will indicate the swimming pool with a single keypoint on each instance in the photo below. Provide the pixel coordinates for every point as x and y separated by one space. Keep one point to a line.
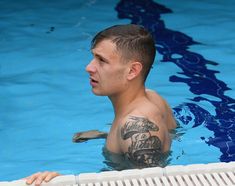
45 94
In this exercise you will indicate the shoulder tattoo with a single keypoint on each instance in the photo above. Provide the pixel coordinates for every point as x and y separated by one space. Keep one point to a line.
144 149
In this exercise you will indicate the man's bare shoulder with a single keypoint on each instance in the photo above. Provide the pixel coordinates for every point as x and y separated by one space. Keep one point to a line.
135 123
156 99
164 108
142 141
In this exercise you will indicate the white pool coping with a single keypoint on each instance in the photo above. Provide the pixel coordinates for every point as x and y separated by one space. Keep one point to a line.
214 174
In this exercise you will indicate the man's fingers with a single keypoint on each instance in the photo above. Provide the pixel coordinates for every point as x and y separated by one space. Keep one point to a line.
39 177
32 178
51 176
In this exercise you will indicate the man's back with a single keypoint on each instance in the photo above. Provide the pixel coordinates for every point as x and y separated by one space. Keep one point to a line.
163 107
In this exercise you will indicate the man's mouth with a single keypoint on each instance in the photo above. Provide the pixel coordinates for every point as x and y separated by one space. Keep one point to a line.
94 81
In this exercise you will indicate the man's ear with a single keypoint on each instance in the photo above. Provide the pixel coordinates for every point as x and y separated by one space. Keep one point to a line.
134 70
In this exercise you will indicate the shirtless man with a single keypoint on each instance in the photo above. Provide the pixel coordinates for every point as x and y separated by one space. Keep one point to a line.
123 57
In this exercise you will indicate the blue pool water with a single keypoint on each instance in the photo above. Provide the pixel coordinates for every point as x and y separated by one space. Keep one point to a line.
45 94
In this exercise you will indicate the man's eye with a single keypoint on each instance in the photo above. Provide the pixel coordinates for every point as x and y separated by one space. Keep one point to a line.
102 60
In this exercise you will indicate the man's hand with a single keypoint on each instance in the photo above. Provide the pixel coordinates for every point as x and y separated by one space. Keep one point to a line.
87 135
39 177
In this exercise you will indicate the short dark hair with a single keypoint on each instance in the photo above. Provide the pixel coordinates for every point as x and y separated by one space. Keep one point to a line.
133 41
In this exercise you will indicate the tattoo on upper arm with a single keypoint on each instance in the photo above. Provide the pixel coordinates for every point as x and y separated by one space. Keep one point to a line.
145 149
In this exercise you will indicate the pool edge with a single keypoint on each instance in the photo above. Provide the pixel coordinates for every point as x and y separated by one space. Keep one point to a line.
169 172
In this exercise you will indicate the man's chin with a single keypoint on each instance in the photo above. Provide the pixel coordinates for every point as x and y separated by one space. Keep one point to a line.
98 93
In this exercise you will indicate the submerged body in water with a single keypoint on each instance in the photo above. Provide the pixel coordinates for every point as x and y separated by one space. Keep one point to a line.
119 162
116 161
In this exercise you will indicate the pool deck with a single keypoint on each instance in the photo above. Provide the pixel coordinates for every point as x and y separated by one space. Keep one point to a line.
213 174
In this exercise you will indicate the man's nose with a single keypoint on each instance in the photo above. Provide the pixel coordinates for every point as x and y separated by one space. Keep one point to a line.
90 68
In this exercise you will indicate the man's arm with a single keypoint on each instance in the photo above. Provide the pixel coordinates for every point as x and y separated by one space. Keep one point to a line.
87 135
141 142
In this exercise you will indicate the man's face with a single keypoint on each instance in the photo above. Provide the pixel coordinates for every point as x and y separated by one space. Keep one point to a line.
107 70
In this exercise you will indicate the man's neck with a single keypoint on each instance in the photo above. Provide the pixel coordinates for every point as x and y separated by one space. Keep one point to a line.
122 102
